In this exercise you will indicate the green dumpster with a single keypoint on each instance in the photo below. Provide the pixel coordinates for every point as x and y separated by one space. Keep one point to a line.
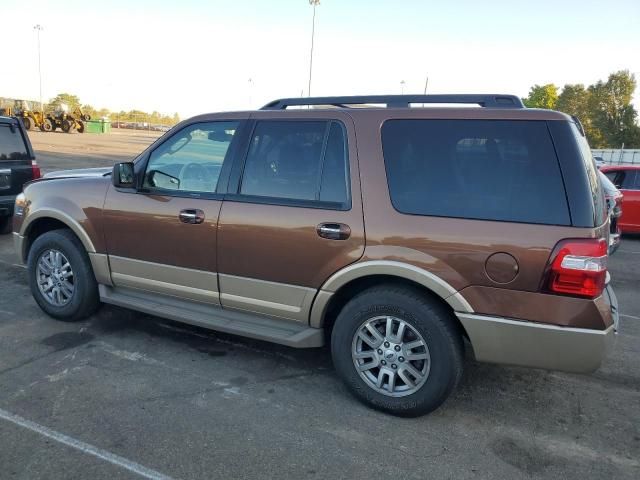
98 126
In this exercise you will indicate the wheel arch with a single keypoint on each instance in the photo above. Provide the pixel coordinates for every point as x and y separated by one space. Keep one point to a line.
46 220
350 281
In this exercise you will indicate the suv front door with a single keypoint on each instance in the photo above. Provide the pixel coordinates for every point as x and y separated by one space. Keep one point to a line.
293 213
161 236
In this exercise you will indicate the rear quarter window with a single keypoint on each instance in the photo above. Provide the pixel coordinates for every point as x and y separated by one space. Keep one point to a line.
12 146
476 169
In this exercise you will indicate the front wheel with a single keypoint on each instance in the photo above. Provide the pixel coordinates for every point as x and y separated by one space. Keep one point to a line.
61 279
397 350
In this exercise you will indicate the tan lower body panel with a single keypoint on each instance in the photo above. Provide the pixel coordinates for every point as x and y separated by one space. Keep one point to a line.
101 270
528 344
180 282
268 298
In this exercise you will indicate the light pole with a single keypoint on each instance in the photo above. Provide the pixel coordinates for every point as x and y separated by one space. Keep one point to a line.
250 90
38 28
402 84
314 4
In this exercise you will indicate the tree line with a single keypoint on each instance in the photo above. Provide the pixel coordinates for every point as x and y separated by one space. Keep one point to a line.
604 108
73 102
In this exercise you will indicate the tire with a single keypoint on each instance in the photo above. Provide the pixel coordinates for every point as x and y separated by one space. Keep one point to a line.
425 320
26 121
84 299
80 127
5 225
66 126
47 126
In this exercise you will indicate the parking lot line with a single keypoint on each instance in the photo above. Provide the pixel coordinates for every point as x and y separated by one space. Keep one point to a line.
83 447
630 316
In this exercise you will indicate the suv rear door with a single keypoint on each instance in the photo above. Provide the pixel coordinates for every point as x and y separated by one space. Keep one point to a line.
15 163
292 215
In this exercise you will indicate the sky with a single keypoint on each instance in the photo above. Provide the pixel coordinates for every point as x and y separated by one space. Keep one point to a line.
196 56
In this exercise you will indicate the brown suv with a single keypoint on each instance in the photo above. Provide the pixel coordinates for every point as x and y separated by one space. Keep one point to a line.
397 234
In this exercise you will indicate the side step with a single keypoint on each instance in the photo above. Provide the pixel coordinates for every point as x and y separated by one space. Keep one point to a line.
284 332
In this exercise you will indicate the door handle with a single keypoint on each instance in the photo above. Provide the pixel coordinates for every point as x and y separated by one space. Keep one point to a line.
191 215
334 231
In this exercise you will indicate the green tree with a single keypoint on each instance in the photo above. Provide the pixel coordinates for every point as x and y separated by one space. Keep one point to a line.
542 96
612 112
575 100
71 101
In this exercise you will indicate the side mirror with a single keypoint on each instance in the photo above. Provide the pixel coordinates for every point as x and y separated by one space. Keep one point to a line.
123 175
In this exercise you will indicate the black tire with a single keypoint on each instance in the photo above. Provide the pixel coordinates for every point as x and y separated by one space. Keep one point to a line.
66 126
85 299
26 121
47 126
5 225
80 127
430 319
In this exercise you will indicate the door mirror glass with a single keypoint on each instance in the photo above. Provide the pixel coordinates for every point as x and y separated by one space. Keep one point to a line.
163 180
123 175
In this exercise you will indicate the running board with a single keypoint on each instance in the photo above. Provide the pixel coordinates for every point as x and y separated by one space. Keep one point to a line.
246 324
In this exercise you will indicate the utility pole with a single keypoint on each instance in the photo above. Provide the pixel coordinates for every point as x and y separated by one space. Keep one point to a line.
426 84
402 84
314 4
250 91
38 28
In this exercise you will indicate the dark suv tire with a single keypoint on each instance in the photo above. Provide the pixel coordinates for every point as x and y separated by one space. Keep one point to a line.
398 350
61 278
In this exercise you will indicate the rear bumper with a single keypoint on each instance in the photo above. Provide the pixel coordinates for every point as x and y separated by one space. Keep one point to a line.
530 344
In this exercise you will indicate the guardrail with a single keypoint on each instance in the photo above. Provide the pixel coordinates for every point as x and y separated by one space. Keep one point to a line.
617 156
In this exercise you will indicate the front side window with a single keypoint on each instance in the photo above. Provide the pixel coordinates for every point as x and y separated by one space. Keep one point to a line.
297 160
12 145
191 160
477 169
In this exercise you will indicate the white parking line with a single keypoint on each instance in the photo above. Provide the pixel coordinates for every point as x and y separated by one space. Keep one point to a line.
13 264
84 447
630 316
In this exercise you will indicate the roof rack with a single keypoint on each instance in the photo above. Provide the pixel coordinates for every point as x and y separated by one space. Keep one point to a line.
399 101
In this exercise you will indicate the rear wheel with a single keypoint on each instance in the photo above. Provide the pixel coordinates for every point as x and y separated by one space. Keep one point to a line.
66 126
26 121
47 126
60 276
80 127
397 350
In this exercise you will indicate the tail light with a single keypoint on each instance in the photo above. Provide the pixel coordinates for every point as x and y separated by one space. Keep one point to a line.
35 170
579 268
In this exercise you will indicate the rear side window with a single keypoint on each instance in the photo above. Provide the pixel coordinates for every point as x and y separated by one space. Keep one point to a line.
477 169
12 145
629 180
297 161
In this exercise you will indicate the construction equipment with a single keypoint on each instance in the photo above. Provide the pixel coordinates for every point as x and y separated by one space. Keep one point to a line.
65 121
30 118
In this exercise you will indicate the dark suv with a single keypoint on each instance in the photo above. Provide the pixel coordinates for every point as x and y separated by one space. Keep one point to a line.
401 235
17 166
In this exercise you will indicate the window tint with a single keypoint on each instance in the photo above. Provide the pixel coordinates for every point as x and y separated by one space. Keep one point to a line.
479 169
191 160
12 145
297 161
335 175
597 195
630 181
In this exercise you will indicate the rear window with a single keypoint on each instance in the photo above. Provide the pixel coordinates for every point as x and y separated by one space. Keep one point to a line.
12 145
477 169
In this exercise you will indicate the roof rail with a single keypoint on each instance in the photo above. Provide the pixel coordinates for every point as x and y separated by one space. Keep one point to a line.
399 101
